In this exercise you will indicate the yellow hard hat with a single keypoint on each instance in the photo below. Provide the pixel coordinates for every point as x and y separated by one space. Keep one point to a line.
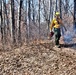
57 13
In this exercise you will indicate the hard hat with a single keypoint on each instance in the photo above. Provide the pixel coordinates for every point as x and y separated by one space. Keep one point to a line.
57 13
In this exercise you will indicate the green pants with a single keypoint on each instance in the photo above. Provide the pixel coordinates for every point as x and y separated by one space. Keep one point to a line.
57 35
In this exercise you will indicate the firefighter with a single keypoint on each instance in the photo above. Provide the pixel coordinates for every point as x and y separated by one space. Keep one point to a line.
56 23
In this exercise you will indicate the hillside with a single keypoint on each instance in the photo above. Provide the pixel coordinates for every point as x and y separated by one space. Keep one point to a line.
38 59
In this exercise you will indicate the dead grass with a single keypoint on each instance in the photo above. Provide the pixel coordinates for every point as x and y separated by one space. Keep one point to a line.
38 59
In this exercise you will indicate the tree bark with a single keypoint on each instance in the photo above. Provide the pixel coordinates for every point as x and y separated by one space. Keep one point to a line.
75 14
66 6
13 21
39 18
56 9
60 9
33 14
1 21
26 25
29 18
19 33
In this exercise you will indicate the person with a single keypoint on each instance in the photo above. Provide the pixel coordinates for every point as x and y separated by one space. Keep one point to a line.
56 24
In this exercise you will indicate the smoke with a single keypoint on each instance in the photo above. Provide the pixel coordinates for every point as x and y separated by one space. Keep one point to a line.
69 35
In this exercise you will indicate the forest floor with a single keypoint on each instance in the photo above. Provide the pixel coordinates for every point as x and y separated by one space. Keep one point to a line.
38 59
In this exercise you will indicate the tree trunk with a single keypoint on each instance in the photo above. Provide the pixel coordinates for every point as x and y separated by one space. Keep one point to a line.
26 25
13 21
0 16
33 14
56 9
18 22
29 18
60 9
10 20
50 14
3 24
66 6
7 23
1 21
75 14
39 18
19 33
4 21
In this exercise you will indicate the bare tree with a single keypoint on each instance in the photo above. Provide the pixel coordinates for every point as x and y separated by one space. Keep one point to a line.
56 9
13 21
75 14
2 20
33 13
66 6
60 9
19 33
39 17
29 18
50 14
0 15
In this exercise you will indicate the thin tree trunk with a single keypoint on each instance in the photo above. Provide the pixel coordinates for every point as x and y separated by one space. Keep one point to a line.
3 25
18 21
45 12
60 9
33 15
11 35
13 21
66 6
19 33
26 21
2 21
75 14
56 6
7 22
0 17
29 18
39 18
50 14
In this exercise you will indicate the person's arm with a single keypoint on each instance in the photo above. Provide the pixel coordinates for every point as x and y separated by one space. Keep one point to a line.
63 25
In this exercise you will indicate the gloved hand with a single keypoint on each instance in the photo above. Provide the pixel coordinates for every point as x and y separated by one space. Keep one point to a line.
51 33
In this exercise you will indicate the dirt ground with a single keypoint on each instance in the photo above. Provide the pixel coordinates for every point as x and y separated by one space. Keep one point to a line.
38 59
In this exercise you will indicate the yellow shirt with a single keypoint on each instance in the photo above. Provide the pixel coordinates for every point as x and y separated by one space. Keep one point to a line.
55 24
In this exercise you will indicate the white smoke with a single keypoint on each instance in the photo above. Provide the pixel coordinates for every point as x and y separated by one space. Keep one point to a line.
69 35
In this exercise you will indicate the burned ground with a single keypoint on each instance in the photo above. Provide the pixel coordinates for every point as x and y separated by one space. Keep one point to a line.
38 59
